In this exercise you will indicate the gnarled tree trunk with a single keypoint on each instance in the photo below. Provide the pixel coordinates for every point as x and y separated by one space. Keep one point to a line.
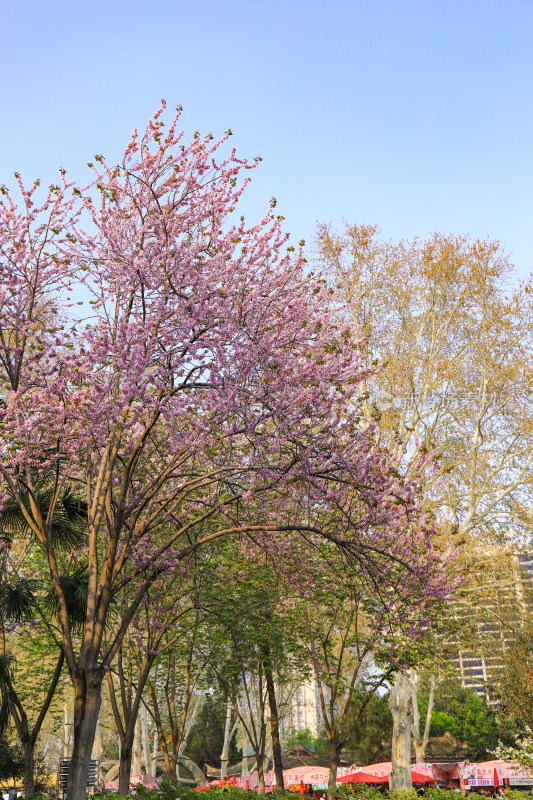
193 768
400 704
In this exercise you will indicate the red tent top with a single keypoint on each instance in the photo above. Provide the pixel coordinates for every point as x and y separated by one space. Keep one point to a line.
418 777
363 777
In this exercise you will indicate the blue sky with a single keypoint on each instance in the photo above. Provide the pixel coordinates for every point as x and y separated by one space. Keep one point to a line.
414 115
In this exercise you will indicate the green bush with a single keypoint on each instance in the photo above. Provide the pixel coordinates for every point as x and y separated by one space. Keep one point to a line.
516 794
434 793
177 791
402 794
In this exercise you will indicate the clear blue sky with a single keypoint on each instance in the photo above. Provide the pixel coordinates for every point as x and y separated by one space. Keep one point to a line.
414 115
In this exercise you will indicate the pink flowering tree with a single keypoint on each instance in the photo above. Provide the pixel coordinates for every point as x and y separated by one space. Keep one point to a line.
208 389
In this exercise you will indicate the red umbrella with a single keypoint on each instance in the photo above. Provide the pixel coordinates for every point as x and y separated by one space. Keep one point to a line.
419 777
302 788
363 777
247 784
496 779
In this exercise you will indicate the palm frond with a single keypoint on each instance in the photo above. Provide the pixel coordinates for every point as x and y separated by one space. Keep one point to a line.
17 600
69 523
6 689
75 587
68 526
5 713
12 521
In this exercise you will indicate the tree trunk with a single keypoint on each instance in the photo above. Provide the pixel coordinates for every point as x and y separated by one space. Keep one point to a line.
185 729
155 753
87 698
66 731
274 721
136 764
194 769
145 740
28 744
420 742
180 724
128 722
260 772
333 763
124 771
224 758
401 709
97 746
245 745
29 783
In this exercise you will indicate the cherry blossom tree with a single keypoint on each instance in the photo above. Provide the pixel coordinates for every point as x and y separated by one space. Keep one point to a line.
210 388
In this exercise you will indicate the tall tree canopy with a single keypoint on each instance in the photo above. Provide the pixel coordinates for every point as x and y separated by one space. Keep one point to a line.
450 326
210 389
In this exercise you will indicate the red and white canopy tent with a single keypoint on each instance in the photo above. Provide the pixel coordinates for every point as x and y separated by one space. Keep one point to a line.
292 778
420 773
363 777
319 776
459 775
421 779
494 773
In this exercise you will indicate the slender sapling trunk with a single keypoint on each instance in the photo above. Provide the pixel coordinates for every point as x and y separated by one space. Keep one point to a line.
274 720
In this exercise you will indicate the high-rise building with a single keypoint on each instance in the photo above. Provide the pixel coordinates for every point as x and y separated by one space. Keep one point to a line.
498 599
304 712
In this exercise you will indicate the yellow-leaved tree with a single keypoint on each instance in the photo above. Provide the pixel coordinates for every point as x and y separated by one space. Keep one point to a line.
450 325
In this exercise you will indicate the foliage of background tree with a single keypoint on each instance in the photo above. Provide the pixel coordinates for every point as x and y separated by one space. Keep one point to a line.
305 738
451 325
28 607
515 689
206 738
465 715
370 741
11 760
